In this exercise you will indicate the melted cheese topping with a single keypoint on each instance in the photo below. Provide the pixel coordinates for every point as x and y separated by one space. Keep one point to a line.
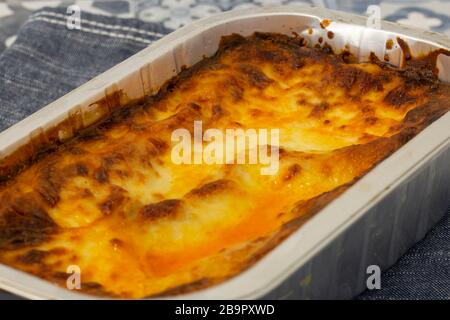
112 202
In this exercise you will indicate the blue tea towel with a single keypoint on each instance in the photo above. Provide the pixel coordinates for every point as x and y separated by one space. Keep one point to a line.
47 60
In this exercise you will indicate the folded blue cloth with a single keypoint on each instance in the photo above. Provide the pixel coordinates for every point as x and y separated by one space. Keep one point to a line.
48 60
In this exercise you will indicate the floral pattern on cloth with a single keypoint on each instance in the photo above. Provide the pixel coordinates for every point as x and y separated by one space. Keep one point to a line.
426 14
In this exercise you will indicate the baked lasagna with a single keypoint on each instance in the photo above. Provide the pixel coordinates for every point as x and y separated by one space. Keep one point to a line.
111 200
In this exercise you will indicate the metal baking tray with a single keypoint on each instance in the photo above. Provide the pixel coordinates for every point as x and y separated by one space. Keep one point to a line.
372 223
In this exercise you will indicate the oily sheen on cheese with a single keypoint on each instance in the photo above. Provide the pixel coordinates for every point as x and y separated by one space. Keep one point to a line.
111 200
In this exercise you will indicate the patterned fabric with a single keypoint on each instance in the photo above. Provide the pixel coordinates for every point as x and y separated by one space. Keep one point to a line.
427 14
48 60
44 60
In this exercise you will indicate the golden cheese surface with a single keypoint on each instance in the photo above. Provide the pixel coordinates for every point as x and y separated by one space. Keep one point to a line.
113 202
